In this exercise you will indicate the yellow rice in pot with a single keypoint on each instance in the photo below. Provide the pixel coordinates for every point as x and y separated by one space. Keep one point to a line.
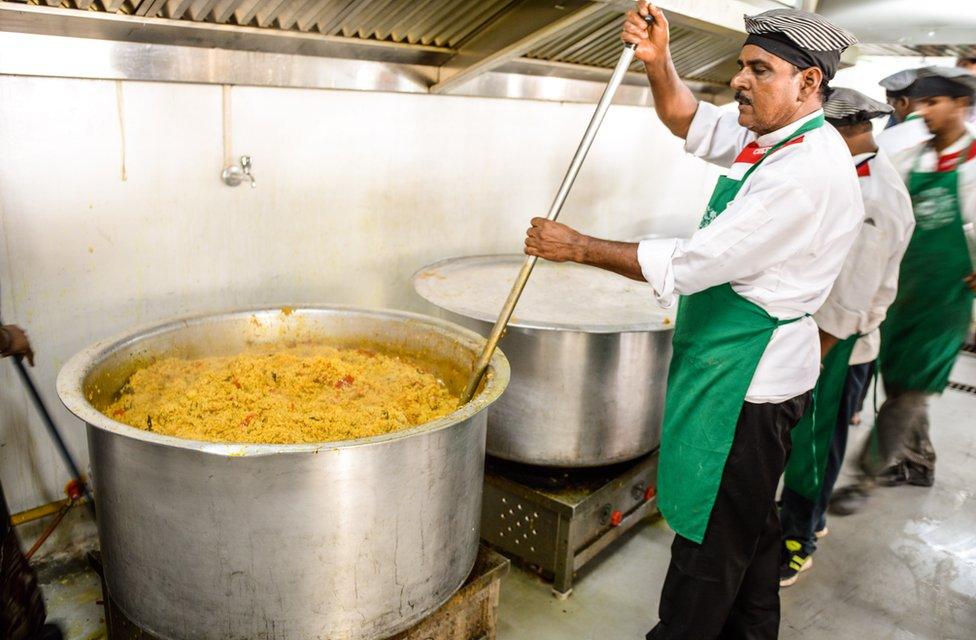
300 394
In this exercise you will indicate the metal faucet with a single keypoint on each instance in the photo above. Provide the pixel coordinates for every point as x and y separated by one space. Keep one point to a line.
246 166
234 175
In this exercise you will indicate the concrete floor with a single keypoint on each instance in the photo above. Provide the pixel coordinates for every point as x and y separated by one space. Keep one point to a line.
905 569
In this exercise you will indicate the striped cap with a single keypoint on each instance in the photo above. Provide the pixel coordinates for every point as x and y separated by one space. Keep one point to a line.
847 106
806 30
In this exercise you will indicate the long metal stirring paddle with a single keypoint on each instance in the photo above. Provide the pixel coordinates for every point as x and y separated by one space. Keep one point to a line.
481 365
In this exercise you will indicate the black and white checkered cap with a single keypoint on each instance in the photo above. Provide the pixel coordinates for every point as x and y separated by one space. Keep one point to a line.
854 106
807 30
899 81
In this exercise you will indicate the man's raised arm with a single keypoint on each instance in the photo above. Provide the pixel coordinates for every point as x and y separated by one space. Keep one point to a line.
673 100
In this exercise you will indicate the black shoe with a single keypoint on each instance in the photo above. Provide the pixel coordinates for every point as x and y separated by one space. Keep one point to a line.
793 562
907 473
848 500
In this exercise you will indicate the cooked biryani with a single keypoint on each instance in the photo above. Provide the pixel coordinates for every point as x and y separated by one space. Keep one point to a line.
303 393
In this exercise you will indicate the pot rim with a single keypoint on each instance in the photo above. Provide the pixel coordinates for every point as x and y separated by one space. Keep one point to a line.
639 327
70 383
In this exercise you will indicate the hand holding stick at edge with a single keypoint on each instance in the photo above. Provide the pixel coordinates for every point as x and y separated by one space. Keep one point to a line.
14 342
651 40
673 100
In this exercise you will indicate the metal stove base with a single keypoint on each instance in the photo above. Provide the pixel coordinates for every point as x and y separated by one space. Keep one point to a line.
557 520
470 614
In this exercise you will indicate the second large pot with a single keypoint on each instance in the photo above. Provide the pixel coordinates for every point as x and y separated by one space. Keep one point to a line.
589 352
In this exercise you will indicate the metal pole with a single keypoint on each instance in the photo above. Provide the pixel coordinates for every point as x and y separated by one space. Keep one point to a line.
481 365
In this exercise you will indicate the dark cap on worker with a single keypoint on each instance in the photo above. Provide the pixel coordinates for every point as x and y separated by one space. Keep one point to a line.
802 38
953 82
899 85
847 106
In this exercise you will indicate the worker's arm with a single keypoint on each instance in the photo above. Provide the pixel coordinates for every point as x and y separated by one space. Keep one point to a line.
673 100
556 242
771 219
14 342
827 342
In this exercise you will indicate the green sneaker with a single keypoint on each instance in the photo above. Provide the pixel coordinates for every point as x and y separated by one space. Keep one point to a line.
793 563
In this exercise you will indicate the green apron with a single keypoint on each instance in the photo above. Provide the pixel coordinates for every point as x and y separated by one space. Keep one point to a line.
718 341
928 321
812 435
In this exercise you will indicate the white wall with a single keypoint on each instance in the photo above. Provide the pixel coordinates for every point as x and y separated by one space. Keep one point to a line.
355 192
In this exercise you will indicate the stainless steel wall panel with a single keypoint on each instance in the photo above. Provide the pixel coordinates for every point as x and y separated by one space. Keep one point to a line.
54 56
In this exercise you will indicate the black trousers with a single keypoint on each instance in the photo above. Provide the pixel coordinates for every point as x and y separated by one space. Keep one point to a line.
727 587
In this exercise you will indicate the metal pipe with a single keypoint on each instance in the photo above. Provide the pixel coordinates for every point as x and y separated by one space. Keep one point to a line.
481 365
49 530
43 511
37 513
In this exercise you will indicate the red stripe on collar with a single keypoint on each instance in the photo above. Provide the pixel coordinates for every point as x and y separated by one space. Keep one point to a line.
950 161
863 170
753 153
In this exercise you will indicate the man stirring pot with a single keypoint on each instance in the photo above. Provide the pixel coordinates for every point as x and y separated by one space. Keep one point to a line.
773 238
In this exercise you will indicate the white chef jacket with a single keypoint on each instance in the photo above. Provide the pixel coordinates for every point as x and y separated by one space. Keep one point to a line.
908 133
868 282
780 243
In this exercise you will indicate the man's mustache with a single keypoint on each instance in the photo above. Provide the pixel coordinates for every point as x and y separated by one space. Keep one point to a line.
741 99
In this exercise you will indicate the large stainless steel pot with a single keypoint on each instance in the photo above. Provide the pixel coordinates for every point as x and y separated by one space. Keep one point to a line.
342 540
589 350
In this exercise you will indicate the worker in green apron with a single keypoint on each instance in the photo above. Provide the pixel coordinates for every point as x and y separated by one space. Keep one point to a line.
929 320
771 241
848 323
22 613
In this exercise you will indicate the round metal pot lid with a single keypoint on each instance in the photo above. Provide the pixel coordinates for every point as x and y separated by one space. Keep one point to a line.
558 296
